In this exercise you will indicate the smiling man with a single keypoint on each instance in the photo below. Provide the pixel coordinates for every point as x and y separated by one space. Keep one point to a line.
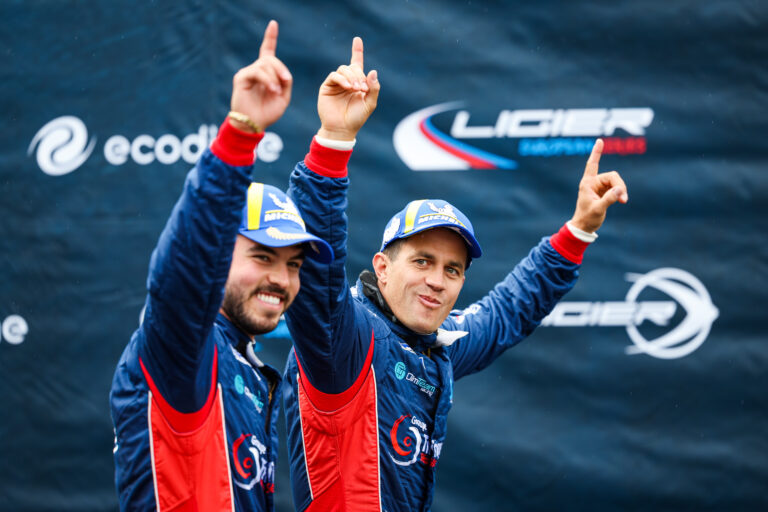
370 381
194 409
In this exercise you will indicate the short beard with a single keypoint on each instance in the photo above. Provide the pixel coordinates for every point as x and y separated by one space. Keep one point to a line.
234 307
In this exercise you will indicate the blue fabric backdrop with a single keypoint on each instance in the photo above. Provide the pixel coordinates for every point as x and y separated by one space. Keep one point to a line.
646 388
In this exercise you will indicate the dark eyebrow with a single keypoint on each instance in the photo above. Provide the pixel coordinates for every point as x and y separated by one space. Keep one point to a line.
430 256
301 255
257 247
261 248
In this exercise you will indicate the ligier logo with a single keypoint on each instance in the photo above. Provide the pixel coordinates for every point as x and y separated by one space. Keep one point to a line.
251 465
678 341
62 146
460 145
411 443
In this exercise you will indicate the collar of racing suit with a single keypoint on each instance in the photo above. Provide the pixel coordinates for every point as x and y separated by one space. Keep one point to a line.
370 289
244 345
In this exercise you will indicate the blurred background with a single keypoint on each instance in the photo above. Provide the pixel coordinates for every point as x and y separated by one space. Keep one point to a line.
644 390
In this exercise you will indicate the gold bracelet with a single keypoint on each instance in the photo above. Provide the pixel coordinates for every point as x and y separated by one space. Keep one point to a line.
237 116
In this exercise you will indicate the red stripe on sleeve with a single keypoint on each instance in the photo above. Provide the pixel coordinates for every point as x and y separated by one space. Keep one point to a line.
180 421
331 402
331 163
234 146
569 247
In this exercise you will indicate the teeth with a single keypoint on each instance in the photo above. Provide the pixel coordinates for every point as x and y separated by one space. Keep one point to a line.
269 299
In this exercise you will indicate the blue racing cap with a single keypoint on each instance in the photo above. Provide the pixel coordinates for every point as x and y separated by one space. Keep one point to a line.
270 218
424 214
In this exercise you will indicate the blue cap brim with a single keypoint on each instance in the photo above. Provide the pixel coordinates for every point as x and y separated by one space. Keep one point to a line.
319 251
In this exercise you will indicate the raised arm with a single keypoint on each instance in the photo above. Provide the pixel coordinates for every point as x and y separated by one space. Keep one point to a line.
518 304
330 344
190 264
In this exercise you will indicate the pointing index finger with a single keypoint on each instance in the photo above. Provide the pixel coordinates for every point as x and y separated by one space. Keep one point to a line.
357 53
594 159
269 44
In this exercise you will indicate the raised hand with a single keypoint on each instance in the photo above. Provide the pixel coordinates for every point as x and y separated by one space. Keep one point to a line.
347 97
596 193
262 90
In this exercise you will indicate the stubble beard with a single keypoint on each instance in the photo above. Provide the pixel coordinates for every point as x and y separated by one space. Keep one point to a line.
248 321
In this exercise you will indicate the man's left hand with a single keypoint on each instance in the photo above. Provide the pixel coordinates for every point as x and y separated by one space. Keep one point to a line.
596 193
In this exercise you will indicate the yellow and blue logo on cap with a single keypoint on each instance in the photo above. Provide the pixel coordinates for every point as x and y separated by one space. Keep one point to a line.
272 219
425 214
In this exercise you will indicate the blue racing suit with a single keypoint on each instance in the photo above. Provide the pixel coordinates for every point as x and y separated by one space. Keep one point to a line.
194 410
366 399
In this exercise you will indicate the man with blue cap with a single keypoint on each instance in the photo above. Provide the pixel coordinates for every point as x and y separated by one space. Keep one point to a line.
195 411
370 381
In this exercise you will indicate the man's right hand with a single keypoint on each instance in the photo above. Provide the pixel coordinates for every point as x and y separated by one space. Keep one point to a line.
347 98
262 90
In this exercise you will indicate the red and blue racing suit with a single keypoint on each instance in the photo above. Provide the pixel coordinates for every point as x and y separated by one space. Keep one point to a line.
194 410
366 399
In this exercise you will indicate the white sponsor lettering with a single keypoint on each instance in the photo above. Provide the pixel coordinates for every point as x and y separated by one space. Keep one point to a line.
117 149
431 218
422 384
62 146
459 316
575 122
167 149
616 314
416 421
14 329
679 285
269 148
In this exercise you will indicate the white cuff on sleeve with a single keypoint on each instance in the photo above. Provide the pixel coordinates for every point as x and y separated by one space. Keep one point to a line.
581 234
339 145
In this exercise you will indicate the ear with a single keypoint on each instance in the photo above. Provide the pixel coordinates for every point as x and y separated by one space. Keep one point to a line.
381 266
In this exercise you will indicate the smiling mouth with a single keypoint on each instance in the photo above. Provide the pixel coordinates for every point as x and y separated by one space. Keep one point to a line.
274 300
429 301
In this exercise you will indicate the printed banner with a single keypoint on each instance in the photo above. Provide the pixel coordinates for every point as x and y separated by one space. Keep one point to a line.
643 389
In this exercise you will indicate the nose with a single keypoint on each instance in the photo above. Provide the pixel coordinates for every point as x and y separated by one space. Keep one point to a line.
435 279
279 276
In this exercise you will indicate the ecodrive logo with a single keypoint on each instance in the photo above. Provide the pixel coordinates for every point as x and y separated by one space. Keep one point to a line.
423 146
679 340
63 145
13 329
